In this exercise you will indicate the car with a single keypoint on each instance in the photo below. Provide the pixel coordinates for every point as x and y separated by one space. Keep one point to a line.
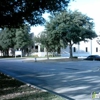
93 57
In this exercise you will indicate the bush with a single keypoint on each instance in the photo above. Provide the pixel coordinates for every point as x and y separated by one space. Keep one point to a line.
75 57
49 55
33 56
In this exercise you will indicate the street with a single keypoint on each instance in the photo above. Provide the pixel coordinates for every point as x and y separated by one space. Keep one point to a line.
73 80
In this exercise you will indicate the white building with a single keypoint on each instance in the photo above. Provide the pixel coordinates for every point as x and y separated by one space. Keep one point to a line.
83 49
39 50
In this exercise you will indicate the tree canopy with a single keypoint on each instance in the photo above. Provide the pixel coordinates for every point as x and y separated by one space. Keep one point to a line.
68 28
14 13
22 37
43 39
7 39
15 38
46 41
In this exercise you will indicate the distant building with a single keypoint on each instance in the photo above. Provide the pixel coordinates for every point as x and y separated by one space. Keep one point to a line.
83 49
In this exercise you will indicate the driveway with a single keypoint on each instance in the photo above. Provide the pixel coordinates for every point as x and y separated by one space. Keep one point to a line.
72 80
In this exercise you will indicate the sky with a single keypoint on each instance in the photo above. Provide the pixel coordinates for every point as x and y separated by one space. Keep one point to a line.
89 7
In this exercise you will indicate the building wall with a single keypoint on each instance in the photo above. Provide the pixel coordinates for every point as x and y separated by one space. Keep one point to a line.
83 49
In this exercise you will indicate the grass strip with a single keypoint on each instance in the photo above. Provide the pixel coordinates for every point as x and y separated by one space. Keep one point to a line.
12 89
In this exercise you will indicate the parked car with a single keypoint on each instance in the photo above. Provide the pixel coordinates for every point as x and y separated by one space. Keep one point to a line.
93 57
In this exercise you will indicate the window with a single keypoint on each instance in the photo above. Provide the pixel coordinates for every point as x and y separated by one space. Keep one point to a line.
74 49
96 49
36 48
86 49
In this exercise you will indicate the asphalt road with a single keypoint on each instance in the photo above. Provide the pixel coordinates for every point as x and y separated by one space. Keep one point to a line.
72 80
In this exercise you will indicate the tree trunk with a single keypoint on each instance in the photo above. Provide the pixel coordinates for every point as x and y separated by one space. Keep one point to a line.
53 54
59 50
7 52
3 53
70 50
47 55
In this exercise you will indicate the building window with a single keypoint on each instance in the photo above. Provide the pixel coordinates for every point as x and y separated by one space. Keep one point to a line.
86 49
96 49
36 48
74 49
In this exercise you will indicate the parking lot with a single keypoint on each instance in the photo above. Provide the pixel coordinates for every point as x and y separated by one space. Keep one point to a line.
74 80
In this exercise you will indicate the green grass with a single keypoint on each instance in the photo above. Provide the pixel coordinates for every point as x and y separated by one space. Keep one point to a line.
11 89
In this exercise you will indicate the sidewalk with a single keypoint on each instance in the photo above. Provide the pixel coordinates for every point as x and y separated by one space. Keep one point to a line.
51 59
42 59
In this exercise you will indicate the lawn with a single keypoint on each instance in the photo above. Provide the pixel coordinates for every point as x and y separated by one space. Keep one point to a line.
12 89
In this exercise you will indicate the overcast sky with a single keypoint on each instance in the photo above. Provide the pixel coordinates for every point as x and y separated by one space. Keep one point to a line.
88 7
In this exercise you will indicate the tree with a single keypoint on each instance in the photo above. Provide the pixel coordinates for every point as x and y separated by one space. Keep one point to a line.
23 39
70 28
7 40
16 12
51 45
15 38
43 39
